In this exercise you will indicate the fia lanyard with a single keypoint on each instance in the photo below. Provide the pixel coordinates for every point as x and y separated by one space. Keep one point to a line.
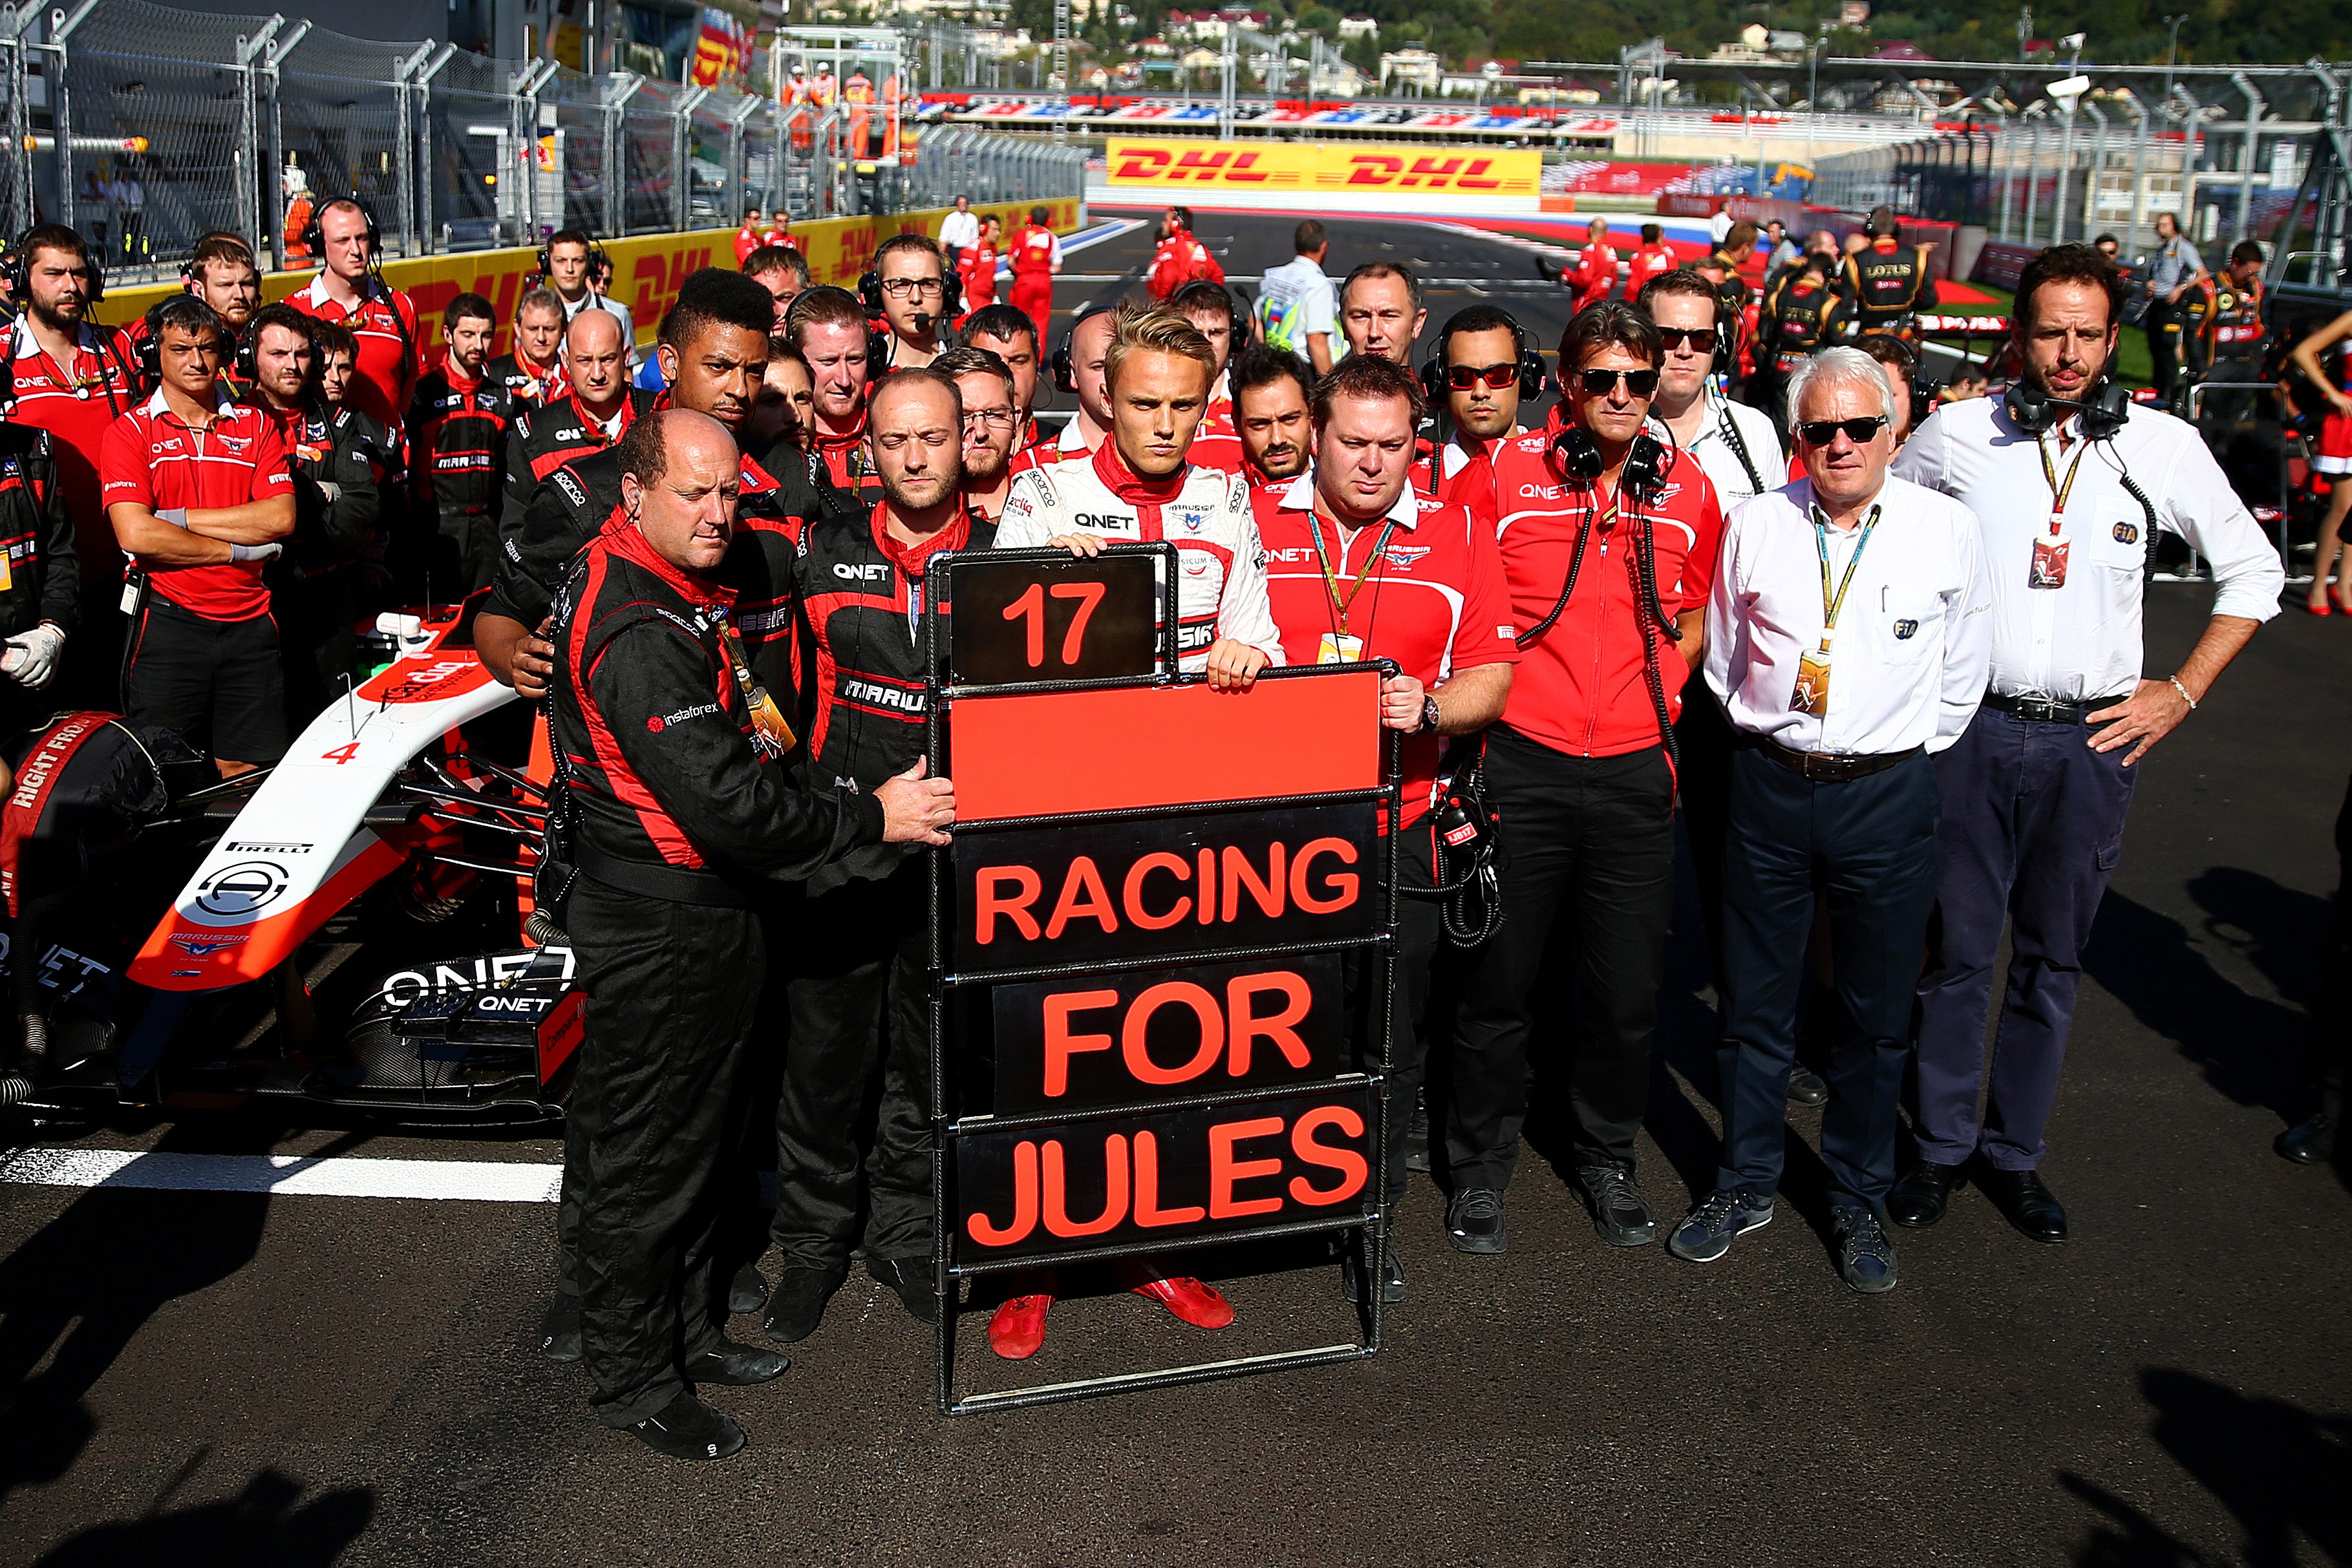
1831 605
2058 492
1340 605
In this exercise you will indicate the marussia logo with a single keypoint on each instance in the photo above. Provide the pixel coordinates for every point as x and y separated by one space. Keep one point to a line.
204 947
658 722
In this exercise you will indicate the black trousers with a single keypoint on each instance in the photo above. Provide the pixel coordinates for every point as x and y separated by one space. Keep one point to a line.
857 1094
317 634
1868 846
89 674
1589 840
1704 739
2163 324
647 1153
2331 1038
1418 937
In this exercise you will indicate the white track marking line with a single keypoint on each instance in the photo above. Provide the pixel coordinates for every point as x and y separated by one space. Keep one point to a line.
484 1181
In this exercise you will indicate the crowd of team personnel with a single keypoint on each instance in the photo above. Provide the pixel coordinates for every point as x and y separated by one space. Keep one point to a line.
706 569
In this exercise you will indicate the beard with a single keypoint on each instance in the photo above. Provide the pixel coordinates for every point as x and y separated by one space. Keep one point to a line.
986 464
63 317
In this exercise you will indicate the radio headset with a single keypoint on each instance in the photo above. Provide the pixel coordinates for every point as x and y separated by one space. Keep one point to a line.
597 261
869 294
1434 385
2104 413
14 269
877 340
1064 368
314 237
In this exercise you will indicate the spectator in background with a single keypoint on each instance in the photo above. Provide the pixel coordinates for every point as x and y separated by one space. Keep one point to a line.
534 371
199 494
98 203
1007 332
782 272
458 427
1297 309
1653 259
959 230
294 239
130 210
382 317
751 235
73 379
2107 246
1594 276
1719 225
1380 310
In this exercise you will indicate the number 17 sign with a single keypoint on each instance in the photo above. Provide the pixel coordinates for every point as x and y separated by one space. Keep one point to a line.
1029 615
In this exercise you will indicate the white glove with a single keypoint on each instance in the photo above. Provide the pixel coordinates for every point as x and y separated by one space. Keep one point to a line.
34 655
329 489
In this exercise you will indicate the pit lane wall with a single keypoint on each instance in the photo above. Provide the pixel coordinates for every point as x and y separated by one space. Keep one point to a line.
647 269
1418 181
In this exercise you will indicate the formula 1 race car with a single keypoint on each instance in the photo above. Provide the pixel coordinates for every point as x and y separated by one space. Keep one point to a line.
353 926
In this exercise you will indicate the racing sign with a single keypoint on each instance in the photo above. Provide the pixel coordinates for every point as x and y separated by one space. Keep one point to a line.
1378 177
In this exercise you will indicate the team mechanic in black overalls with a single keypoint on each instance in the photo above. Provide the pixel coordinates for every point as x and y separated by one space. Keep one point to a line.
682 821
1804 312
1888 280
39 583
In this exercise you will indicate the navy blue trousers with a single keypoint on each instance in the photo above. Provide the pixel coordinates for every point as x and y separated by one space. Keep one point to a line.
2034 821
1868 847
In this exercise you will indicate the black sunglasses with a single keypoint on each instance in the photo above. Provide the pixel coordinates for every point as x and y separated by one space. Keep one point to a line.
1462 378
1821 432
1699 338
1600 383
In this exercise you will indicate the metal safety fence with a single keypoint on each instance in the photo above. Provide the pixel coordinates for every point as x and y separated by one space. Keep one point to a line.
148 128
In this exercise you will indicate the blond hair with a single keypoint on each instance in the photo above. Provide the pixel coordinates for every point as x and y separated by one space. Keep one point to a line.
1160 330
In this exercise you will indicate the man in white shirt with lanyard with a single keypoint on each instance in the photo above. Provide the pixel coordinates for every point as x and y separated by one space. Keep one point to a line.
2070 480
1831 785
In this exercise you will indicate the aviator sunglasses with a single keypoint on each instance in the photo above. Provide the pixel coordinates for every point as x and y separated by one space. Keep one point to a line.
1821 432
1598 383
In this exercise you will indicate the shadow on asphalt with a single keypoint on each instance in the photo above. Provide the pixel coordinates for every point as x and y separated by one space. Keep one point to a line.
78 1290
265 1523
2251 1049
2282 1471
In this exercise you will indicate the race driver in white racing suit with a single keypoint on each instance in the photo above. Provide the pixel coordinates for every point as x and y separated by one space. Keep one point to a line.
1138 487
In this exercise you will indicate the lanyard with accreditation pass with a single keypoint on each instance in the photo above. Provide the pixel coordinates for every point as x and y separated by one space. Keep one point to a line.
2050 550
1812 693
1339 647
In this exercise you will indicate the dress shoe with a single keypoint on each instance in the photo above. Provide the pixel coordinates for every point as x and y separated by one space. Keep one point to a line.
1016 1330
1807 1087
1191 1300
559 1331
1719 1219
1919 1200
1474 1221
1351 1274
797 1303
1865 1256
748 1291
686 1429
737 1366
911 1278
1620 1213
2310 1142
2030 1205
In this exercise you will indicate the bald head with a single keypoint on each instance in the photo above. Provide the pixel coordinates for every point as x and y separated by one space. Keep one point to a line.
597 360
1089 347
680 475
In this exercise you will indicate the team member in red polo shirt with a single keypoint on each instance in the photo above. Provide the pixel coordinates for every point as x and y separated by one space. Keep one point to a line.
74 379
1211 311
1270 413
1609 540
1036 257
1594 275
198 491
382 318
1359 567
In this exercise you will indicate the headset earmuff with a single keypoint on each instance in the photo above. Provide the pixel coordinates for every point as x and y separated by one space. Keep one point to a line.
1578 454
869 291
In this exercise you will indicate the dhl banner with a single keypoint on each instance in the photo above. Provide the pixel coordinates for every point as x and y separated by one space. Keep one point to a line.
647 269
1314 176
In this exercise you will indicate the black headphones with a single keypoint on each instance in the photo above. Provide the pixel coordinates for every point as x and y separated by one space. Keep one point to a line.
869 292
1580 457
2034 411
14 262
1531 365
597 260
314 238
1064 368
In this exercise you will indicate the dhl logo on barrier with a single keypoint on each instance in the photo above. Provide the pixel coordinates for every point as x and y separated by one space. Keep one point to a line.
647 269
1312 166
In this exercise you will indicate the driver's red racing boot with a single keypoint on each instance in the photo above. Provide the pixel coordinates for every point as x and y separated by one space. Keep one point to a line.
1191 1301
1016 1330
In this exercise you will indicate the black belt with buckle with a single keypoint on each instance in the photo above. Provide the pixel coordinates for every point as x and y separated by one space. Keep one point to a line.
2047 710
1822 768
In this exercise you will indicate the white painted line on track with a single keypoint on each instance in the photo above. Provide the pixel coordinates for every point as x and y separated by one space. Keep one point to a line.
483 1181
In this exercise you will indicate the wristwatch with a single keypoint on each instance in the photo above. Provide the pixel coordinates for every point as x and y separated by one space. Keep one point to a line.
1430 716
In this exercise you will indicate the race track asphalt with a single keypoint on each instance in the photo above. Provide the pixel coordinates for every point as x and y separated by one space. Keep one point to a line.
223 1377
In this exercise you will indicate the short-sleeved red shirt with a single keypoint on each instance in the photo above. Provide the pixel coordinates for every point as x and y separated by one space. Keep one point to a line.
75 403
1434 601
150 457
392 356
1581 687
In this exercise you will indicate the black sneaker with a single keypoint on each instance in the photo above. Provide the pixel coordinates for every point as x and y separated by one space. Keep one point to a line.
797 1303
1807 1087
686 1429
1707 1231
2311 1142
733 1365
1351 1271
748 1291
1620 1213
1474 1221
1865 1256
911 1278
559 1331
1416 1139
